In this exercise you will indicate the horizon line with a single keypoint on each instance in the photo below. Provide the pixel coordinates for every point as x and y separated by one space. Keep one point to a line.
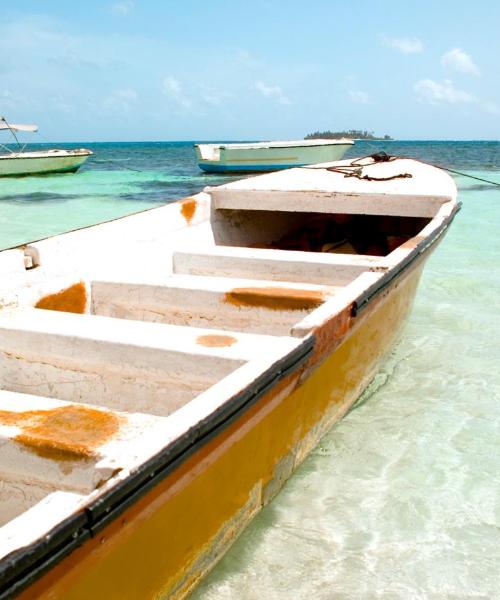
239 140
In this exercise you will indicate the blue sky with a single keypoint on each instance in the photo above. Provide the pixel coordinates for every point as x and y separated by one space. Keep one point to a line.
200 70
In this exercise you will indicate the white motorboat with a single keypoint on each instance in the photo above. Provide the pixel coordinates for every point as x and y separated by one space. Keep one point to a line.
268 156
20 162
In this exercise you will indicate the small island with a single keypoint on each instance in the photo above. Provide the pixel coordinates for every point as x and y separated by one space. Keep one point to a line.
356 134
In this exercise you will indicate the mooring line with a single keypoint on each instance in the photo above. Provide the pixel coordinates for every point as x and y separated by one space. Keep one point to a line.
354 168
470 176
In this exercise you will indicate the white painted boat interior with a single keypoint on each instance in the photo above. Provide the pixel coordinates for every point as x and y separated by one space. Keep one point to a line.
208 151
183 307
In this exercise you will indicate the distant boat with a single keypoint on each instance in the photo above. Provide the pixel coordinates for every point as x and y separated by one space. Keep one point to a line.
19 162
268 156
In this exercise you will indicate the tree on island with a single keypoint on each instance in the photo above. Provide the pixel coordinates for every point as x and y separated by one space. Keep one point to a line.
350 133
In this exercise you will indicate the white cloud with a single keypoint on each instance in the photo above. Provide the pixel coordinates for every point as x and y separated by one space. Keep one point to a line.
123 8
247 59
172 88
404 45
120 101
61 104
491 107
434 92
212 96
457 60
7 100
271 91
358 97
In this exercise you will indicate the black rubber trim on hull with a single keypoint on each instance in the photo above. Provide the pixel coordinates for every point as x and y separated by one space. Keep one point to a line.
22 567
64 538
108 507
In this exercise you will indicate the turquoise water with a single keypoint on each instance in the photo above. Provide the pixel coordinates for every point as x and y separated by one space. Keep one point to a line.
402 498
123 178
118 180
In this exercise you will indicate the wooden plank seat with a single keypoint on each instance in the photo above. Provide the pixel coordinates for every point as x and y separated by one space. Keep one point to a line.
62 445
273 265
316 189
249 305
121 364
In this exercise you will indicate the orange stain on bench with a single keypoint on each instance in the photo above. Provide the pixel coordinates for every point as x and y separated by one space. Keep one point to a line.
275 298
216 341
72 299
63 433
188 208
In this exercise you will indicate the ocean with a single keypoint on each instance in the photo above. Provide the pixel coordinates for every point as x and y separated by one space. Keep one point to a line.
401 499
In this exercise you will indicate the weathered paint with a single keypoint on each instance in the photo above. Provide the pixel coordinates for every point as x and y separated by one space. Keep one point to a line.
275 298
413 242
72 299
188 208
330 334
162 546
63 433
216 341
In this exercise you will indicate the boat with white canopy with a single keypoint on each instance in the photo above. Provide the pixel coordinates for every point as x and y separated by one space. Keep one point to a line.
20 162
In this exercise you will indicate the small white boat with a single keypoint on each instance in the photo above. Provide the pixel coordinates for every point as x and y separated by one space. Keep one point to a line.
268 156
16 163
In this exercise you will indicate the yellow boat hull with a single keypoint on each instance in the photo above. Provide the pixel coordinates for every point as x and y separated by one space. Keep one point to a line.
163 544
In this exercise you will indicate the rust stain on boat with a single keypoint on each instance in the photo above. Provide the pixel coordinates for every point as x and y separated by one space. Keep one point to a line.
330 334
188 208
216 341
63 433
275 298
412 242
72 299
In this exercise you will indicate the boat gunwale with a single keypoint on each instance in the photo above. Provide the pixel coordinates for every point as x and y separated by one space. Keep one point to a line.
41 154
269 145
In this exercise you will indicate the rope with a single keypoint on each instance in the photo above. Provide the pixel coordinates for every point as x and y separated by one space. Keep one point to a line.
355 169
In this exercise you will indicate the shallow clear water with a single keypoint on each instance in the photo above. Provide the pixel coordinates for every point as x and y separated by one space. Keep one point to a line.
402 498
119 179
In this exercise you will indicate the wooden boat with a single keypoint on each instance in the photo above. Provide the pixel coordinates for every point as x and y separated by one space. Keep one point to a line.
163 374
268 156
41 162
